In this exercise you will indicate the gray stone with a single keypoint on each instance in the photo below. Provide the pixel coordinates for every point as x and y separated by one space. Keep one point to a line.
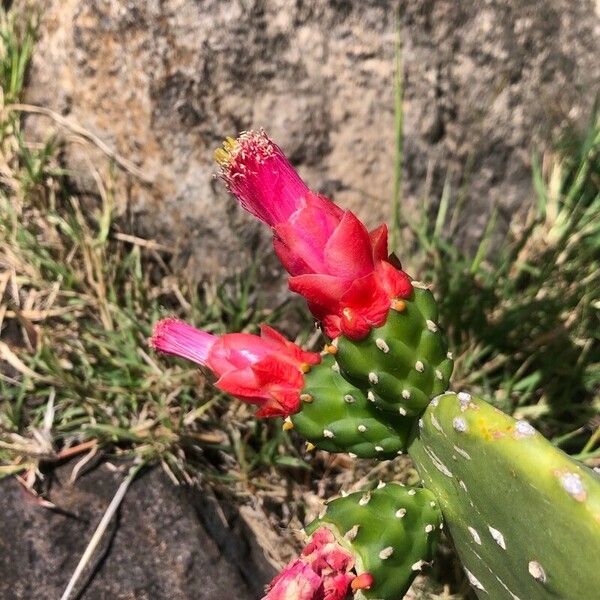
162 83
160 546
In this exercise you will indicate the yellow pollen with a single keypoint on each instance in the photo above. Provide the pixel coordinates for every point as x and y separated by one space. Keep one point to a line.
287 424
306 398
310 446
331 349
347 313
399 305
305 368
224 155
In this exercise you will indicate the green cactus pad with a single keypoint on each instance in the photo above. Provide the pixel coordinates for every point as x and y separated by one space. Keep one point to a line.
392 531
403 363
340 418
525 518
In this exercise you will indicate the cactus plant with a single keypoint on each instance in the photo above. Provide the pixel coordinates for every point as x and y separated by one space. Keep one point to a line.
524 517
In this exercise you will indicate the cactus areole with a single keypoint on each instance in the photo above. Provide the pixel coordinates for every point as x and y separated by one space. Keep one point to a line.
524 517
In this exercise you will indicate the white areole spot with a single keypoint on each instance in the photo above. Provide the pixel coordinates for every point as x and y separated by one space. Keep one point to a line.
412 492
373 378
371 396
419 366
474 535
435 401
381 344
349 398
402 411
400 452
400 513
378 448
463 485
421 423
380 485
573 485
328 433
459 424
362 428
498 537
352 455
406 394
386 553
438 374
335 367
524 429
418 565
431 326
536 571
474 581
365 499
464 398
428 528
449 355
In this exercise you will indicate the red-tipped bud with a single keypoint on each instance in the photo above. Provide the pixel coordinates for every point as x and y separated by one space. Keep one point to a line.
334 262
266 370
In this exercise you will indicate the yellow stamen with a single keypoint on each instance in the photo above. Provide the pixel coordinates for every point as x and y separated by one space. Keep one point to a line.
310 446
287 424
399 305
331 349
224 155
305 368
306 398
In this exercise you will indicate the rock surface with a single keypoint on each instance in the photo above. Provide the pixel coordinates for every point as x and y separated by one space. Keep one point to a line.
157 549
162 82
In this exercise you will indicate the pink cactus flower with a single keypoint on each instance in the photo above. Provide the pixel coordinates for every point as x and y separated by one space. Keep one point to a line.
266 370
334 262
324 571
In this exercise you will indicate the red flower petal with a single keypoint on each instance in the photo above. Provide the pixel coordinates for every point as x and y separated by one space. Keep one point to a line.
379 241
348 253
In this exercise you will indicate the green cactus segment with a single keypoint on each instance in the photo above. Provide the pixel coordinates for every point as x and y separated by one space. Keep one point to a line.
525 518
392 531
403 363
339 418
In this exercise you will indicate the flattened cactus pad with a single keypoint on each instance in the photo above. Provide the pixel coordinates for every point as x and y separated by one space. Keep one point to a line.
525 518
